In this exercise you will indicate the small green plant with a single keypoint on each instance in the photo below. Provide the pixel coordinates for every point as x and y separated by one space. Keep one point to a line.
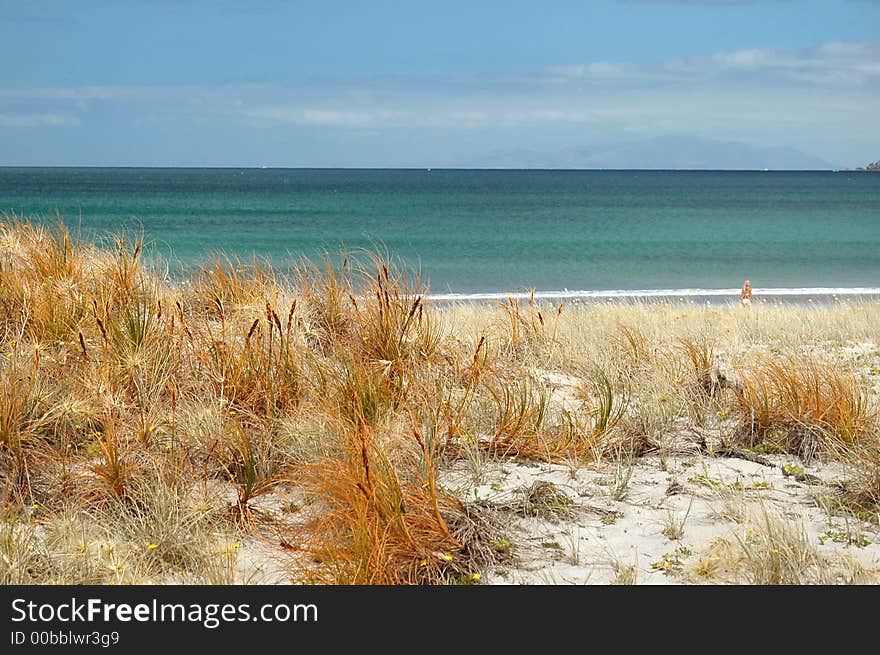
672 562
792 470
668 563
858 539
764 449
705 481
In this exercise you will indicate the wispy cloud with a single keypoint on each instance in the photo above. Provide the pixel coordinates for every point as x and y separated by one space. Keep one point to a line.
94 93
830 63
599 70
37 120
324 116
725 88
823 95
579 92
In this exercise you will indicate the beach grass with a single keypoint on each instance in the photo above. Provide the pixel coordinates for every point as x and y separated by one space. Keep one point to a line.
148 423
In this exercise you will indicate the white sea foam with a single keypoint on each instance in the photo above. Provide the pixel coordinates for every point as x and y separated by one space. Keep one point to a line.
657 293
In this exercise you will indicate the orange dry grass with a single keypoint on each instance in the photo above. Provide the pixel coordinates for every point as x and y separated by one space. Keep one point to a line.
797 404
521 411
256 368
383 520
44 278
393 330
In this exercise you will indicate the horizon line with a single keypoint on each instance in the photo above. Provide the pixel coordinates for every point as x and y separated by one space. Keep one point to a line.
440 168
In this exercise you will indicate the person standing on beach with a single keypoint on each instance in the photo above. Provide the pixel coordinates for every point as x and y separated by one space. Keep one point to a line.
745 296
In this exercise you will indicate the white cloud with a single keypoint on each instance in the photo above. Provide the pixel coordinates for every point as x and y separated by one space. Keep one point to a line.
752 59
831 63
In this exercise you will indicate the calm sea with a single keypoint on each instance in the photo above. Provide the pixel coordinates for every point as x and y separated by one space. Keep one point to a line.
491 231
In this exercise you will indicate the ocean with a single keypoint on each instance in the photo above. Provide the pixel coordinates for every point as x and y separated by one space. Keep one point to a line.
489 233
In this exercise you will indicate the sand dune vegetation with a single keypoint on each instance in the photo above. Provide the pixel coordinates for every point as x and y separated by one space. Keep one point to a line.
331 424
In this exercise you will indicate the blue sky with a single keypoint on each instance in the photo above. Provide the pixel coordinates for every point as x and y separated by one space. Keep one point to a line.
613 83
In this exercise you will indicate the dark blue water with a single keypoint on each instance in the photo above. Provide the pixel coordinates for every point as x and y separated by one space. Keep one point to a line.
488 231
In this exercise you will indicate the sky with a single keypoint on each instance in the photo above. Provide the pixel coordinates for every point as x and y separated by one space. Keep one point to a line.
563 84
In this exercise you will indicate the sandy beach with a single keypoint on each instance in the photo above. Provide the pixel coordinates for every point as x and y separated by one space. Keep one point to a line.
328 425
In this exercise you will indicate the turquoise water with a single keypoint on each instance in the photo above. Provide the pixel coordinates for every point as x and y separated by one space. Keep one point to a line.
484 231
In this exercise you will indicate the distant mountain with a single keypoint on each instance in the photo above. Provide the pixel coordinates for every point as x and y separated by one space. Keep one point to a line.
667 152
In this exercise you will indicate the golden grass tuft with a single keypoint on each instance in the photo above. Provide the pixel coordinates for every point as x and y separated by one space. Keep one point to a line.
382 520
801 405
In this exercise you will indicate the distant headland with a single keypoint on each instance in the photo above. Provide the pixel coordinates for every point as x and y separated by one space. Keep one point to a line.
875 167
